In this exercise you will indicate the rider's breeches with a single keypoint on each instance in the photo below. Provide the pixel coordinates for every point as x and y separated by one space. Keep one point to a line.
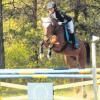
70 27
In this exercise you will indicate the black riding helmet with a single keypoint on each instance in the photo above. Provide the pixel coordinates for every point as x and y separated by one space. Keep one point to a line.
51 4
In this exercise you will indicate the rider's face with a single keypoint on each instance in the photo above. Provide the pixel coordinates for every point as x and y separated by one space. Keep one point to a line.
51 10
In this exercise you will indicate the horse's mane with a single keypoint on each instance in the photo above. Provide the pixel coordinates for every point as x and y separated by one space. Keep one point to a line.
46 21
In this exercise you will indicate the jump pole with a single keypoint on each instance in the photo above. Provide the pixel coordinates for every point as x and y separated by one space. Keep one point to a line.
47 71
87 76
94 39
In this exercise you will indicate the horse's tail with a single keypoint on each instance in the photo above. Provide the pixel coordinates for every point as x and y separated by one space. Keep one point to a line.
87 46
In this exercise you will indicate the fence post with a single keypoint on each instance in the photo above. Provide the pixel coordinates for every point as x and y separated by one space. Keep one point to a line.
94 39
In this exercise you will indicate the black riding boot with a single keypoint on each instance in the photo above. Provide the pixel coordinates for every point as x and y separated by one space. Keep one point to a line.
72 38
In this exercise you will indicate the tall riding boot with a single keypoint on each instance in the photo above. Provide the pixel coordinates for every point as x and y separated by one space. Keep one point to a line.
72 37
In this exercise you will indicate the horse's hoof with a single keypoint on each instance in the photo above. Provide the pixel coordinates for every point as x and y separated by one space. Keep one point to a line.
49 57
41 56
77 90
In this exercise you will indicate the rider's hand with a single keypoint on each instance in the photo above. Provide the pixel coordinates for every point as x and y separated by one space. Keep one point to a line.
60 23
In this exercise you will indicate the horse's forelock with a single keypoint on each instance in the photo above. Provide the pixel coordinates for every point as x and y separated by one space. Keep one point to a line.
46 21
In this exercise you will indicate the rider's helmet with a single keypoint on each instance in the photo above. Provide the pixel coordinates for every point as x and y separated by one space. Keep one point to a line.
51 4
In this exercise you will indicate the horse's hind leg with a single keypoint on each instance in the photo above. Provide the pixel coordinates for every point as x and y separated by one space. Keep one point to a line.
72 62
84 91
82 61
68 61
82 57
65 60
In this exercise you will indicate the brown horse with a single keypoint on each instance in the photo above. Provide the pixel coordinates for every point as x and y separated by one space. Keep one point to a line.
55 40
80 55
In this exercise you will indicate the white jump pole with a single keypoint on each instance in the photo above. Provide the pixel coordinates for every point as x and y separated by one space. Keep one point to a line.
94 39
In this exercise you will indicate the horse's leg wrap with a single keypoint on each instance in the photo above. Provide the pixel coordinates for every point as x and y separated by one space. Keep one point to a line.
49 51
41 47
41 50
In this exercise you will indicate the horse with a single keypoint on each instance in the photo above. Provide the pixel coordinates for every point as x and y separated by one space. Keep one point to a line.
55 40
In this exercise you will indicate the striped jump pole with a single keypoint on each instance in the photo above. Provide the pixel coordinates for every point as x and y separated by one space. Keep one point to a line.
47 71
88 76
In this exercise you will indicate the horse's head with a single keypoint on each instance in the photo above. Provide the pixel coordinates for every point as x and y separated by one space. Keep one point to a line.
51 28
49 25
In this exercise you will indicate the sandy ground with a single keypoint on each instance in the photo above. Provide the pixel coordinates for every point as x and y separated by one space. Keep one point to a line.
55 98
90 96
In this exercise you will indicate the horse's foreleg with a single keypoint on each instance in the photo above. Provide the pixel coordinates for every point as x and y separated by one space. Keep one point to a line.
41 49
65 59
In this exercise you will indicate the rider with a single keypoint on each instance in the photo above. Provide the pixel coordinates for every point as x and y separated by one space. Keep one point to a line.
63 19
